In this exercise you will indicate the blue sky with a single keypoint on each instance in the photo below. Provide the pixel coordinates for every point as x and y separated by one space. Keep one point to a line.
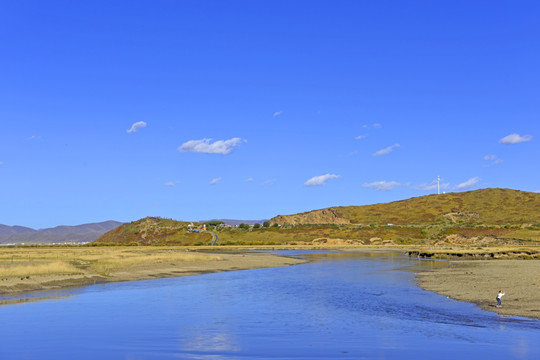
249 109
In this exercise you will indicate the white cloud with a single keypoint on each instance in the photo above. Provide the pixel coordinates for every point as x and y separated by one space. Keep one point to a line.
215 181
269 182
136 126
382 185
223 147
374 126
515 139
467 184
320 180
277 113
432 186
386 150
249 179
493 160
360 137
172 183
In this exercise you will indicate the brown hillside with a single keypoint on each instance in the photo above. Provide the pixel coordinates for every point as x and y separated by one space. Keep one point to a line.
324 216
155 231
485 206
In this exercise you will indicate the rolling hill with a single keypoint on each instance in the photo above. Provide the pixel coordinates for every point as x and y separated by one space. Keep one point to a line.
485 206
10 230
155 231
488 216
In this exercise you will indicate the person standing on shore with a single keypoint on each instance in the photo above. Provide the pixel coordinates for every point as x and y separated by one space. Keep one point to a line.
499 296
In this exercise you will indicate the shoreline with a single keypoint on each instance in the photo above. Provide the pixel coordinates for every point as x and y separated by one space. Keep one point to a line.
222 261
479 281
468 280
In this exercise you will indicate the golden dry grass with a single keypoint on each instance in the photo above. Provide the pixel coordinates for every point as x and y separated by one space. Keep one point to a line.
27 269
21 261
484 206
123 261
56 267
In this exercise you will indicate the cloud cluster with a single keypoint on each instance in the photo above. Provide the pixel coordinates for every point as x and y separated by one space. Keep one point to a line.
382 185
515 139
277 113
386 150
136 126
493 160
320 180
223 147
432 186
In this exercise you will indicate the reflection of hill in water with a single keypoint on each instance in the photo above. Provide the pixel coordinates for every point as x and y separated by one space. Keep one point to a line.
22 300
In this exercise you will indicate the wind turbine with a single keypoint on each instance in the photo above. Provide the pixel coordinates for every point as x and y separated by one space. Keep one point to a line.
438 185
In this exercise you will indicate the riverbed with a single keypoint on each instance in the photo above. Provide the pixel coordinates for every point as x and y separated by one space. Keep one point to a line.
338 306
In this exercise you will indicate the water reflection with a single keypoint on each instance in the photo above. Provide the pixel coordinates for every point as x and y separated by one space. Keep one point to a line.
22 300
38 296
201 345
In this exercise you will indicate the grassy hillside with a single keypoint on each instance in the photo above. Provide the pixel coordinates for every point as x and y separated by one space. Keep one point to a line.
155 231
481 218
486 206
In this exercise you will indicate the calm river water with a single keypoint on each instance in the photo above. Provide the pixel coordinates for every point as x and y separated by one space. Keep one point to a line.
340 306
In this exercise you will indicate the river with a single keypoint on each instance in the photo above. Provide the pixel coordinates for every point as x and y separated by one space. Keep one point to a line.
339 306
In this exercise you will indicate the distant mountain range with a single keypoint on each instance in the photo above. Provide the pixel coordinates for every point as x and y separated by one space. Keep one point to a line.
58 235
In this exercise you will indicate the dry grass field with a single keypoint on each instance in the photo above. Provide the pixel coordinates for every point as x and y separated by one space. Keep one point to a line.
484 206
24 269
27 261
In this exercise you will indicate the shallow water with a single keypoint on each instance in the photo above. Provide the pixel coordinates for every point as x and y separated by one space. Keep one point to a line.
340 306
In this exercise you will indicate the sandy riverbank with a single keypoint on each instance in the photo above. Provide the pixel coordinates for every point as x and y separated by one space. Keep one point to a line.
479 281
141 270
